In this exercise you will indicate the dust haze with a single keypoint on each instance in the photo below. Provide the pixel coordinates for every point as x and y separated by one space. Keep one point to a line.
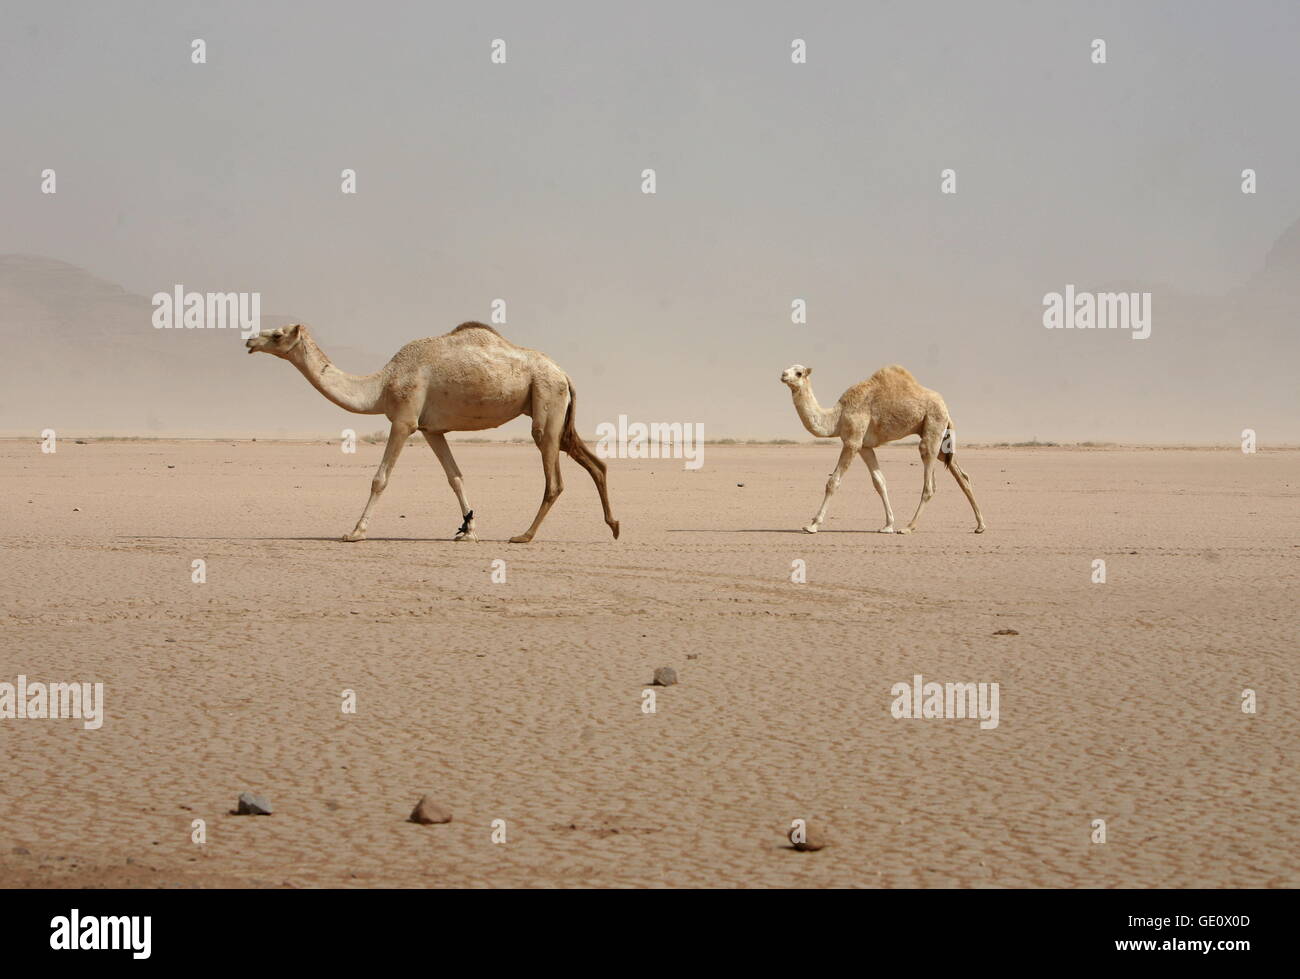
776 182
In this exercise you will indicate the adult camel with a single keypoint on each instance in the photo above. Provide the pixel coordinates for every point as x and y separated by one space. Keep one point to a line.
467 380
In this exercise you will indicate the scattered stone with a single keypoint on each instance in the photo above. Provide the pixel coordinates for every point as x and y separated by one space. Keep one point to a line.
427 811
22 851
171 467
692 655
740 484
665 676
1006 632
814 839
80 442
76 509
252 805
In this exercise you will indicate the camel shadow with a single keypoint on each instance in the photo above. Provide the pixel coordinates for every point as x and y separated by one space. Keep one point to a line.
334 540
768 531
368 540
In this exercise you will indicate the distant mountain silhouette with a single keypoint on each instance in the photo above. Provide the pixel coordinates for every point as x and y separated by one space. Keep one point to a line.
84 358
1282 263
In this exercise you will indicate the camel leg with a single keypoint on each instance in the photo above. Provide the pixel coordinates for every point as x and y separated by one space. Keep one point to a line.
964 482
594 465
438 442
547 426
832 484
397 437
929 453
878 481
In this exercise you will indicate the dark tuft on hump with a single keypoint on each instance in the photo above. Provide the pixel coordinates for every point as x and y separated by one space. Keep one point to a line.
473 325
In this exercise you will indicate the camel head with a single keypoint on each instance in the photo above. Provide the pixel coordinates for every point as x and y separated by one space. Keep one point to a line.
279 341
796 376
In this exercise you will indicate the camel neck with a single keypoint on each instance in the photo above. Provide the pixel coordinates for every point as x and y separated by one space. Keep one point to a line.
351 392
820 423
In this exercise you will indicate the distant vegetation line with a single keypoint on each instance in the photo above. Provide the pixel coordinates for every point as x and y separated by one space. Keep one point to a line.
380 437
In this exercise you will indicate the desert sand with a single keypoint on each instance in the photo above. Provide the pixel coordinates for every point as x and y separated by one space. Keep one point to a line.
522 701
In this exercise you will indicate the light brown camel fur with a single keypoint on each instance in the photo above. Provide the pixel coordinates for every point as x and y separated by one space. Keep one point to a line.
467 380
887 406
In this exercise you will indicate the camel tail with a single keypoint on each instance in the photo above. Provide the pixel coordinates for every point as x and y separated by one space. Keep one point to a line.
948 446
572 443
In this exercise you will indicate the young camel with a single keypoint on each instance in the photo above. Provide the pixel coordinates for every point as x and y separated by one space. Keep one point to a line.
887 406
464 381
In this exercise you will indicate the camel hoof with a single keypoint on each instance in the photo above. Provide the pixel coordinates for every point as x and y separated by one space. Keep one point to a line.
810 529
468 535
614 527
887 530
979 530
521 539
353 537
905 530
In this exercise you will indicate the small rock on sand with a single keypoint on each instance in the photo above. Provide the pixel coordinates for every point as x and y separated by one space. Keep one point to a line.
813 839
252 805
1006 632
428 811
665 676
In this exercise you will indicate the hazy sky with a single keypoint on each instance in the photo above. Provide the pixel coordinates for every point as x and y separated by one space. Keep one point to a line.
776 181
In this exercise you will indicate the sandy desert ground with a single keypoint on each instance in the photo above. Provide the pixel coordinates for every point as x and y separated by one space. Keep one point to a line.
522 701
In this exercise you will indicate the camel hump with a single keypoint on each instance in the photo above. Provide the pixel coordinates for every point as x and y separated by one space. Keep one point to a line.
474 325
893 382
894 371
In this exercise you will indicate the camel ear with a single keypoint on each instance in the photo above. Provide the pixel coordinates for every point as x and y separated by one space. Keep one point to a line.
807 372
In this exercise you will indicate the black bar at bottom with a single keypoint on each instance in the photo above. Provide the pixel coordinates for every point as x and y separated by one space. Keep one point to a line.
239 929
